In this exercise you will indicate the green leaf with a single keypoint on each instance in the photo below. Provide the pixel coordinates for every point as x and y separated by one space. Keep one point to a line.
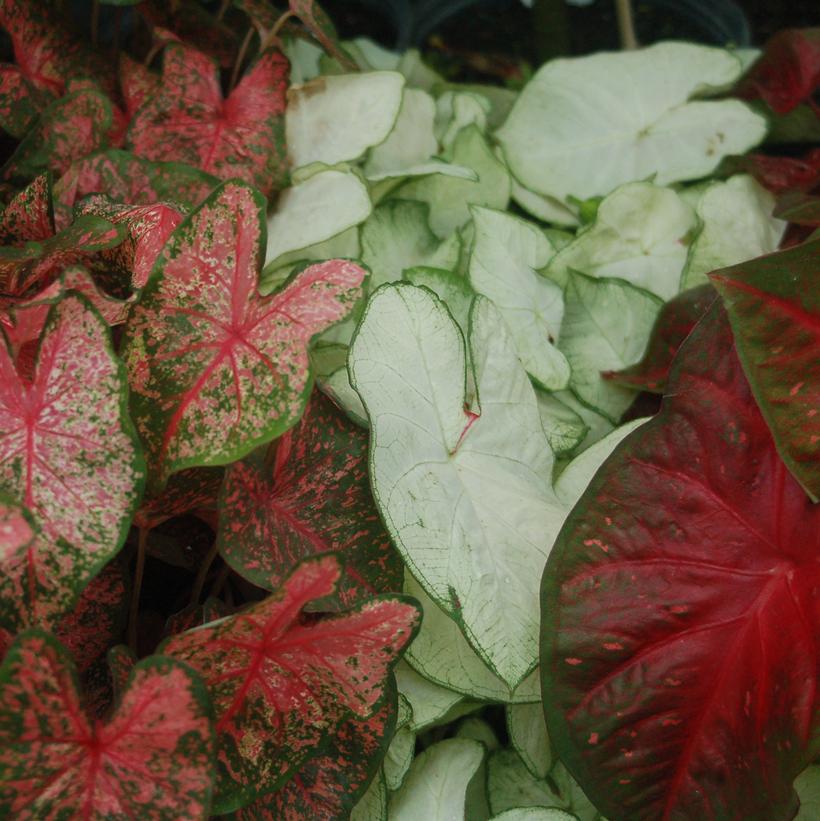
528 736
807 786
583 126
563 427
372 805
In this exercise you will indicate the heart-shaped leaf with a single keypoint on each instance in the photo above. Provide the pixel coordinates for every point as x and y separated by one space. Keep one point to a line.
186 491
137 82
215 369
29 215
314 497
679 610
188 120
68 452
153 759
281 684
774 306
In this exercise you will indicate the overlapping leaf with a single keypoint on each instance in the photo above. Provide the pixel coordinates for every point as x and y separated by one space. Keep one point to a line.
679 610
322 29
241 136
215 369
187 491
29 215
280 684
153 759
774 306
314 497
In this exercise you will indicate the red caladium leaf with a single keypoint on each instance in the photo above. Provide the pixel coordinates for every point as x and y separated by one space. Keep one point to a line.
680 610
70 128
788 73
68 451
216 369
137 83
121 661
20 102
329 785
153 759
781 174
314 497
774 307
148 228
675 322
801 209
29 215
17 532
241 136
320 26
96 620
38 263
127 178
281 684
187 491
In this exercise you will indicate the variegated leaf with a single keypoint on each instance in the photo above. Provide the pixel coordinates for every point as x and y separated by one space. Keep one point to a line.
281 682
321 27
29 215
187 491
153 759
215 369
314 497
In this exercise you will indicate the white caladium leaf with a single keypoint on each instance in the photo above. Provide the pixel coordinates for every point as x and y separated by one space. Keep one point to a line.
506 254
417 73
528 736
533 814
479 730
397 236
606 326
449 480
543 207
451 288
334 119
564 428
457 110
303 56
399 757
337 386
642 234
583 126
372 805
598 426
320 208
807 786
450 198
737 225
436 786
429 702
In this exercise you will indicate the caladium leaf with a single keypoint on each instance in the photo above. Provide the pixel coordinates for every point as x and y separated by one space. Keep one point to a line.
372 805
781 174
788 73
528 736
187 491
37 263
507 253
281 685
807 786
329 785
152 759
187 120
20 102
642 233
215 369
322 29
677 637
127 178
774 306
674 323
534 814
801 209
658 130
312 498
137 82
29 215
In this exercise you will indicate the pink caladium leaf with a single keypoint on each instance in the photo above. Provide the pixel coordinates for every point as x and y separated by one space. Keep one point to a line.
282 683
137 83
69 453
29 215
313 497
20 102
788 73
148 228
329 785
36 264
126 178
322 29
774 306
121 661
17 533
216 369
70 128
152 759
675 322
188 120
679 610
189 490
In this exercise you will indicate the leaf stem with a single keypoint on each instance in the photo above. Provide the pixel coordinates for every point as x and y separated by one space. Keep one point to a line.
202 573
223 7
273 34
626 25
220 580
139 572
240 58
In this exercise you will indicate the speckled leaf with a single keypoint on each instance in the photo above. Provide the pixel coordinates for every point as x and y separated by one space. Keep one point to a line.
137 82
313 498
29 215
188 120
328 786
186 491
153 759
147 230
282 683
679 610
321 27
69 453
215 369
774 307
70 128
20 102
127 178
36 264
673 324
